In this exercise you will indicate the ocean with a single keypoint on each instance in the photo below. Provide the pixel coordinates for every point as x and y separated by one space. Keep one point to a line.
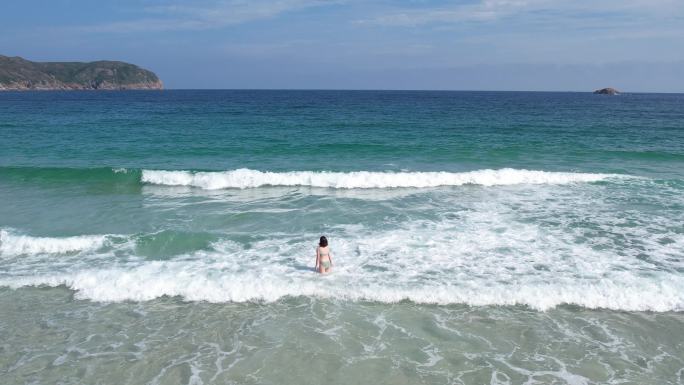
168 237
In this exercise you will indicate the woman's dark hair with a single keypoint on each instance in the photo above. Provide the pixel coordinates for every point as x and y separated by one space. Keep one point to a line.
323 242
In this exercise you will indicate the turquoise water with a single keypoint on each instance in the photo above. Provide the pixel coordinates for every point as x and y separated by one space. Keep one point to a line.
478 237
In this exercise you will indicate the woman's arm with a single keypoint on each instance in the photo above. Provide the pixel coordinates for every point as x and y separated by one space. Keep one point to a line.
318 258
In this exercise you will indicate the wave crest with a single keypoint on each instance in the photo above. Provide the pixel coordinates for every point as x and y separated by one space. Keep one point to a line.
12 244
159 279
246 178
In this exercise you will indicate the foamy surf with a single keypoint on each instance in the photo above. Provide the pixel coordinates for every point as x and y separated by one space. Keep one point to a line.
422 262
245 178
13 244
158 279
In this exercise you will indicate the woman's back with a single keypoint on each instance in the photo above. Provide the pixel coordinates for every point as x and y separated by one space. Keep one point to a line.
323 257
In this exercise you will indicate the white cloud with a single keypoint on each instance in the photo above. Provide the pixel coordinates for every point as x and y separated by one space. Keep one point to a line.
491 10
215 14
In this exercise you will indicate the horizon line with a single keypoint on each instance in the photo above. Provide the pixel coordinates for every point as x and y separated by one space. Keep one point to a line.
351 90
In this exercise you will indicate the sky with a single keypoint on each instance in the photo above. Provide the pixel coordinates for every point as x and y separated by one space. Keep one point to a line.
535 45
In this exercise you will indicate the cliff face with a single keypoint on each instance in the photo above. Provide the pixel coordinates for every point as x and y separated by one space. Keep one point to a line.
18 74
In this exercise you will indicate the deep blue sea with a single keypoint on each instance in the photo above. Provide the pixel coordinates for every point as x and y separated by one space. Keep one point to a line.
168 237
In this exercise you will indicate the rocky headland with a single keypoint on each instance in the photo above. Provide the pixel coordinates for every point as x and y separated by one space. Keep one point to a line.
607 91
18 74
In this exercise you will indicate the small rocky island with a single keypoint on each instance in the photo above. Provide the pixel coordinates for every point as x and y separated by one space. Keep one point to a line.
18 74
607 91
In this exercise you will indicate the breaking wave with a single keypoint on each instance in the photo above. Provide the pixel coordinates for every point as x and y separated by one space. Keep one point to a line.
246 178
157 279
12 244
422 262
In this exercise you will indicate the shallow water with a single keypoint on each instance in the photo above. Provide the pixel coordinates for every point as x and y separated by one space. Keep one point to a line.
48 337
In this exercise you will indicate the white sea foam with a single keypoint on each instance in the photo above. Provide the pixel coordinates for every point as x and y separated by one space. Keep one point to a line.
13 244
538 247
422 262
246 178
157 279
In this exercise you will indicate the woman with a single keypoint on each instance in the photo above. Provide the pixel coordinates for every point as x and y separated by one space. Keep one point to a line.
323 256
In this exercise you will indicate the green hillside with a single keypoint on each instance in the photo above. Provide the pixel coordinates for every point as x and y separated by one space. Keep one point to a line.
17 73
